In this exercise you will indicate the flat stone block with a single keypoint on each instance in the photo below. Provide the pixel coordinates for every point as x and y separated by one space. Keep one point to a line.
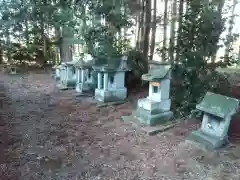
152 119
208 141
102 104
150 130
110 96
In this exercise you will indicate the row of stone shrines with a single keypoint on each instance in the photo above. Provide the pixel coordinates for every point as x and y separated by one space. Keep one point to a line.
154 110
106 79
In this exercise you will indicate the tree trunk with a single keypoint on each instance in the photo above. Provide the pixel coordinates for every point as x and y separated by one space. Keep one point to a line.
27 33
165 23
173 28
219 5
180 19
154 27
9 59
44 45
147 28
141 28
66 45
229 35
1 53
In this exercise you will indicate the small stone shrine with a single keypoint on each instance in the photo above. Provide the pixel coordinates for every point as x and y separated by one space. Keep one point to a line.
155 109
218 111
57 70
68 79
84 72
153 112
111 80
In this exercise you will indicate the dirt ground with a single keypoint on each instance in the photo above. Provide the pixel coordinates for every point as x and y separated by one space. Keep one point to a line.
46 134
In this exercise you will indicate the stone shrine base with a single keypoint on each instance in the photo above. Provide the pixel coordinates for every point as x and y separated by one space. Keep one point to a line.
82 88
110 95
150 130
70 84
152 118
208 141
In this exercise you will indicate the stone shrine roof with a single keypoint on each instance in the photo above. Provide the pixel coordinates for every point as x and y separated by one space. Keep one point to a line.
73 62
218 105
118 64
157 74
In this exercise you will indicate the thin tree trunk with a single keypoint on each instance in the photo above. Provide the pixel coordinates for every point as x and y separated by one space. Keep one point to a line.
43 41
229 36
9 59
1 53
165 23
27 33
219 5
173 28
154 27
147 28
141 28
180 19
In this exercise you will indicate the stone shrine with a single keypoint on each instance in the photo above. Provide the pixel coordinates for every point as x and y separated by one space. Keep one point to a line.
57 71
153 113
85 80
218 111
68 75
111 80
155 109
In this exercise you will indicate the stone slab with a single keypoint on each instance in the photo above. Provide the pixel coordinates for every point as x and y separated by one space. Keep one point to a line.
153 119
85 94
210 142
102 104
150 130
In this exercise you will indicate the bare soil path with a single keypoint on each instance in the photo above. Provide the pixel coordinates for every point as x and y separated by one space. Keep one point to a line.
46 134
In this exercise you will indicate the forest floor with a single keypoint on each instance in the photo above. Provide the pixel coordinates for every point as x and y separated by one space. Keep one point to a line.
50 134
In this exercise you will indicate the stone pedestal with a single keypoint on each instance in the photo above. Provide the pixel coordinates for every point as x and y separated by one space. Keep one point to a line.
218 111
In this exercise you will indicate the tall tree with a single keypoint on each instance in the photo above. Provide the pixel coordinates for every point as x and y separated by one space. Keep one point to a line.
179 31
173 29
154 27
147 28
230 37
165 23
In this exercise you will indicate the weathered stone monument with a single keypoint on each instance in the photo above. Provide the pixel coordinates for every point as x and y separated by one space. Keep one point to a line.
68 75
57 71
85 80
111 80
218 111
154 110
